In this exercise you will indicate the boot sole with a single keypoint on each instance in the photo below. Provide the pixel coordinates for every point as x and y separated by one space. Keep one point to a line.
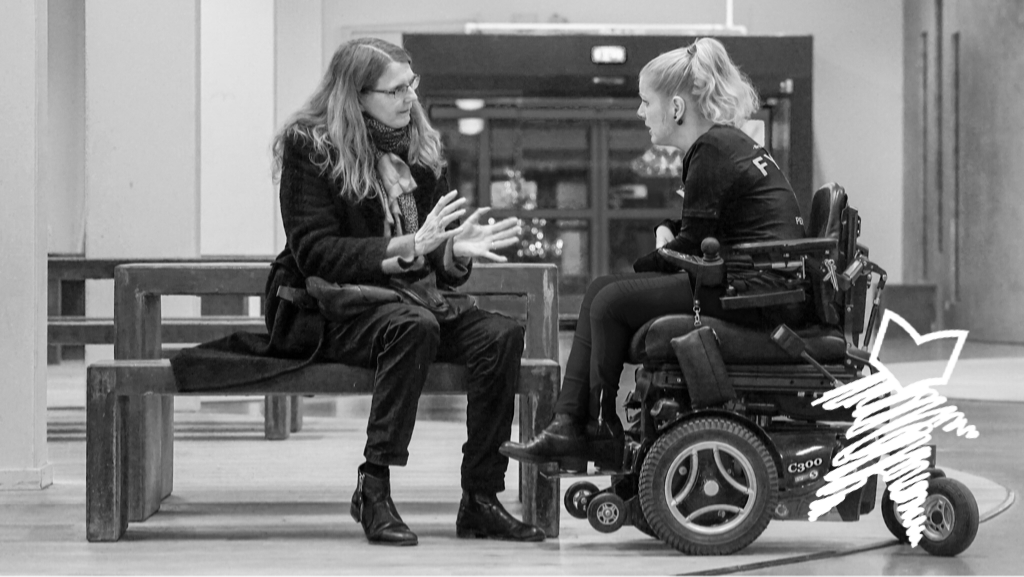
394 543
568 464
478 535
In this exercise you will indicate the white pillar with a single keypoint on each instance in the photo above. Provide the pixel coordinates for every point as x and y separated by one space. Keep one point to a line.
142 138
299 65
23 114
237 103
65 207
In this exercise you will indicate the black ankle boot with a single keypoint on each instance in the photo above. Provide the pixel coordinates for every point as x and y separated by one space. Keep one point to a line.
562 438
373 508
482 516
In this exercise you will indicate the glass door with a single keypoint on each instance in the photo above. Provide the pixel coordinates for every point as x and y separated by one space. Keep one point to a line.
583 178
643 189
539 167
542 171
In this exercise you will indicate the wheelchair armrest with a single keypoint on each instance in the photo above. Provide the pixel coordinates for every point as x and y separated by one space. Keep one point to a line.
763 299
708 271
793 246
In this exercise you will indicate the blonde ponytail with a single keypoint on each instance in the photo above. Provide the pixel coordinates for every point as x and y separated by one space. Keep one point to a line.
704 70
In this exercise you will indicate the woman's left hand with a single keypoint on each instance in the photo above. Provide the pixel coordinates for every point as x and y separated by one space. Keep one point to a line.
473 239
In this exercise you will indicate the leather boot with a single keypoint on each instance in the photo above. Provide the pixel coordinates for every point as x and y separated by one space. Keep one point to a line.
482 516
373 508
562 439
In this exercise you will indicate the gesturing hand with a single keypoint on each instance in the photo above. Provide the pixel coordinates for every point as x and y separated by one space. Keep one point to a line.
473 239
432 231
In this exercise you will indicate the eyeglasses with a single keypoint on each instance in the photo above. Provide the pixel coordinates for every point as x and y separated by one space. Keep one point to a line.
399 91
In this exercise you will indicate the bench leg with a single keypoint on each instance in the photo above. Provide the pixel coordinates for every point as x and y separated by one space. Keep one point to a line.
106 469
167 448
146 440
276 417
296 407
540 491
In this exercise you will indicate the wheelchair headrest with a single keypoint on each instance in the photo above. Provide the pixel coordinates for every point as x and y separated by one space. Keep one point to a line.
827 211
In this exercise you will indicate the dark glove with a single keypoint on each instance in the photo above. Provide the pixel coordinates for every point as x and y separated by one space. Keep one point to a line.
654 262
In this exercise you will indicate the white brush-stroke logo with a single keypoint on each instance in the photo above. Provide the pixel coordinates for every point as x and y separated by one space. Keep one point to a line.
894 424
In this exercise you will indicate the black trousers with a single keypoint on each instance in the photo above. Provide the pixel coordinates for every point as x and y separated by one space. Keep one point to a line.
613 309
400 341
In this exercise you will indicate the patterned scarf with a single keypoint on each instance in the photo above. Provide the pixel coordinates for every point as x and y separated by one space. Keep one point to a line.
395 141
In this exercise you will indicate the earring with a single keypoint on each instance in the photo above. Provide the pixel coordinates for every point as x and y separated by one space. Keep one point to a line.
679 120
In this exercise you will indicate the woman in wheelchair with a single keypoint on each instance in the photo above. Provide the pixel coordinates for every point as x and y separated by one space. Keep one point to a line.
693 99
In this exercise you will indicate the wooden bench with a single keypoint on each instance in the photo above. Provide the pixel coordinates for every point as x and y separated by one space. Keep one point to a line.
129 433
63 329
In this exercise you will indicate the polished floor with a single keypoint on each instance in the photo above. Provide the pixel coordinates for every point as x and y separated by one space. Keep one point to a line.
242 505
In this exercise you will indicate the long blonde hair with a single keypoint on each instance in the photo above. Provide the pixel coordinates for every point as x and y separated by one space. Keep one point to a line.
333 121
724 95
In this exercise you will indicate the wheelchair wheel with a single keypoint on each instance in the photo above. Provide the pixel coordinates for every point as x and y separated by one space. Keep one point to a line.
708 487
637 518
577 497
893 519
951 518
606 512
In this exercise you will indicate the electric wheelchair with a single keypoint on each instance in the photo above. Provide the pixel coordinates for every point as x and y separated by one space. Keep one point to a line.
708 480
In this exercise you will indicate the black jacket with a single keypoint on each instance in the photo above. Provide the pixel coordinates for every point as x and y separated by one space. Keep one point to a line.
338 240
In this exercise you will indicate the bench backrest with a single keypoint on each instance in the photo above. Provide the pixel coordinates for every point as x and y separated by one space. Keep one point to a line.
138 288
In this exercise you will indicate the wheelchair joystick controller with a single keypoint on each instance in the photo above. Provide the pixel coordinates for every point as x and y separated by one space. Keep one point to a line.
711 247
708 270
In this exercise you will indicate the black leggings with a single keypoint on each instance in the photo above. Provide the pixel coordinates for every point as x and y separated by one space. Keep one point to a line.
613 309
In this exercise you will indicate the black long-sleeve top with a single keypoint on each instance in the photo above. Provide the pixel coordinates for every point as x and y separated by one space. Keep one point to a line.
734 191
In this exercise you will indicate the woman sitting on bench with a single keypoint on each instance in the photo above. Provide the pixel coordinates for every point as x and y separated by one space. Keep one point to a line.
365 201
693 99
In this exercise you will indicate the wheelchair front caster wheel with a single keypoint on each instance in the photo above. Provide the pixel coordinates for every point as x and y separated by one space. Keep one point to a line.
606 512
892 518
950 518
577 498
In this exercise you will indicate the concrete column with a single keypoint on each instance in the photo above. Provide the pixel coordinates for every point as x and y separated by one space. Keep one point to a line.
65 207
23 161
142 139
237 87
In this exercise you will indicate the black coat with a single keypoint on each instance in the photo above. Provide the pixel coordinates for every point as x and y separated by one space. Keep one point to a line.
333 238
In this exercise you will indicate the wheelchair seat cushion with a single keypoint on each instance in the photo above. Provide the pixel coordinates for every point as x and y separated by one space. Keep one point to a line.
739 344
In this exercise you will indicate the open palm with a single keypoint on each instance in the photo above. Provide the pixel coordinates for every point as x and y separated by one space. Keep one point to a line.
473 239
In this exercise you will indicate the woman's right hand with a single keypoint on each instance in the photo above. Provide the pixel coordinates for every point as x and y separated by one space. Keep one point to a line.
432 233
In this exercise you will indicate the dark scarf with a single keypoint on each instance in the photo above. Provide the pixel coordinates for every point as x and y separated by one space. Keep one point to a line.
386 139
397 141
